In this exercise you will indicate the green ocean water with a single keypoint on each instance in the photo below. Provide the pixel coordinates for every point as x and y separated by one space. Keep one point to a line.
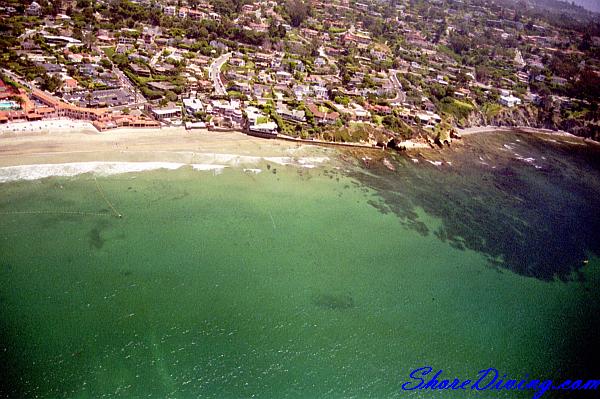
334 282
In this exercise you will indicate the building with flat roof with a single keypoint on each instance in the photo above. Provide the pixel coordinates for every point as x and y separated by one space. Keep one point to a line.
509 100
162 113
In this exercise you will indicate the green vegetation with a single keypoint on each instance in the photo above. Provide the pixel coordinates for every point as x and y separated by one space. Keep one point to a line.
460 110
490 110
352 133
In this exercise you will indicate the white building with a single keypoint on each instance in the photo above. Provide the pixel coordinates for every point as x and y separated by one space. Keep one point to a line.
284 77
166 113
428 119
319 92
192 105
34 9
510 100
301 91
170 11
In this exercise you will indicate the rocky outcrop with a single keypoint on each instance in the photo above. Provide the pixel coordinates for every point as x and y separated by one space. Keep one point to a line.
534 117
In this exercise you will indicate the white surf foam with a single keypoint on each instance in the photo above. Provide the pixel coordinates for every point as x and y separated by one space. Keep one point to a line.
40 171
207 162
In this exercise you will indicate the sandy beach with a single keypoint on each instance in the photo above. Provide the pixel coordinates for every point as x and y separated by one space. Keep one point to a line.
58 142
68 141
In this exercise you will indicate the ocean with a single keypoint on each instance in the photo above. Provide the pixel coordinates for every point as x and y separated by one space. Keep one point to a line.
302 279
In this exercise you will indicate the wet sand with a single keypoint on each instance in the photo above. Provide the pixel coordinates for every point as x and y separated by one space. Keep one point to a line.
60 145
64 141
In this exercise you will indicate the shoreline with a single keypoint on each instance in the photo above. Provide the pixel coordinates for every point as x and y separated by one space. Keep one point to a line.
64 141
68 152
527 129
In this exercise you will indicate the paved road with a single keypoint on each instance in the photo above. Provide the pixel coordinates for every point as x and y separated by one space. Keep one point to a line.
214 73
18 79
126 83
323 55
155 58
400 94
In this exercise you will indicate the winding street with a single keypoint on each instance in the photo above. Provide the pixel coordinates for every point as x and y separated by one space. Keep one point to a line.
400 95
214 73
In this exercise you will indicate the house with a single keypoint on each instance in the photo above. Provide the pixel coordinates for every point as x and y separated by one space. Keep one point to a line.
219 45
196 14
248 8
261 27
428 119
378 55
276 62
162 86
123 48
360 113
192 105
323 114
462 93
126 40
171 11
320 62
164 69
238 62
164 113
267 128
290 114
229 110
140 70
255 115
559 81
320 92
33 9
380 109
300 91
264 57
309 33
509 100
261 90
242 87
69 84
284 77
259 123
357 38
52 68
30 45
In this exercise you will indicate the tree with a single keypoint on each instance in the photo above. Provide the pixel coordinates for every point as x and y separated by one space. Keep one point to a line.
459 43
170 96
586 42
56 6
588 85
105 63
51 83
298 10
89 38
482 73
276 31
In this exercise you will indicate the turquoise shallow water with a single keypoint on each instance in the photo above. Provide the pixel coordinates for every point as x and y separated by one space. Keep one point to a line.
291 283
